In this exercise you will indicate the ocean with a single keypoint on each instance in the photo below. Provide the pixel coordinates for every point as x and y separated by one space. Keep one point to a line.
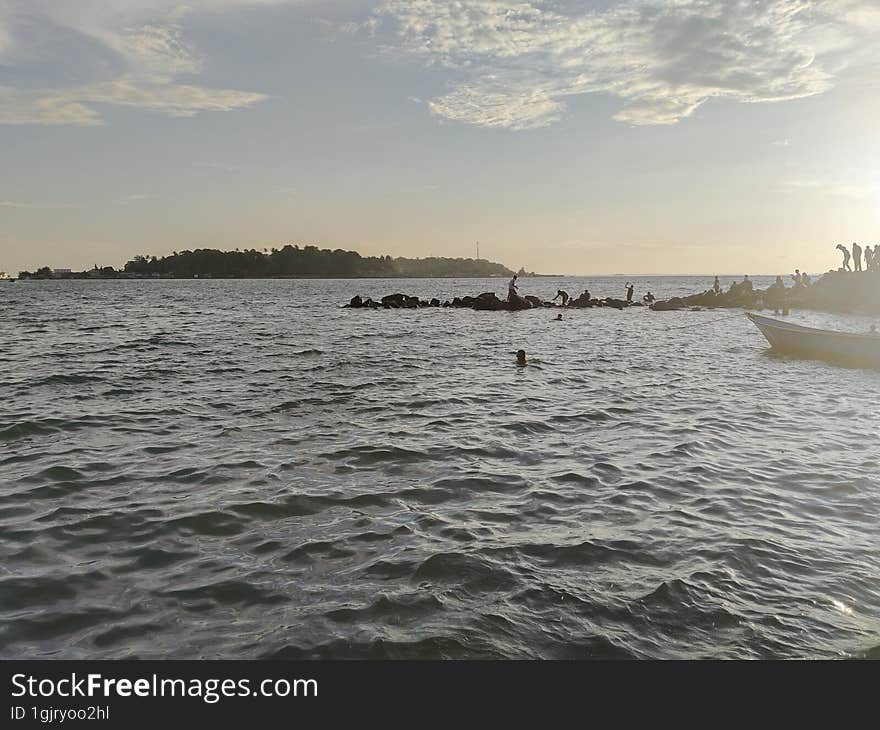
244 469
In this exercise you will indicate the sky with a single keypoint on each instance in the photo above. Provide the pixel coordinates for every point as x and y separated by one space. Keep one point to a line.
580 137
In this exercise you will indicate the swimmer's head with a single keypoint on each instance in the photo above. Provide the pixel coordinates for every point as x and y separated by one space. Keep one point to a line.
521 357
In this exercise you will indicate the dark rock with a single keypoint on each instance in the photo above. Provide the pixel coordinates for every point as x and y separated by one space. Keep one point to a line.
397 299
488 302
669 305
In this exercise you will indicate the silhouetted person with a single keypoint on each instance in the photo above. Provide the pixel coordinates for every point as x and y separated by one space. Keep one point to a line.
796 276
805 279
586 295
775 293
649 298
512 294
717 286
630 288
877 256
563 294
520 357
558 318
845 251
869 258
857 256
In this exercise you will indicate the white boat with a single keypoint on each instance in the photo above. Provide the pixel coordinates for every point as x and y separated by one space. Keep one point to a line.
848 348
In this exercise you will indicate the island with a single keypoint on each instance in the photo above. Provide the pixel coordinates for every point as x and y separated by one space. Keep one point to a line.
291 262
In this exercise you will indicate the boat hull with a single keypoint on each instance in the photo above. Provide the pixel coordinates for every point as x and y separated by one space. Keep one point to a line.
840 347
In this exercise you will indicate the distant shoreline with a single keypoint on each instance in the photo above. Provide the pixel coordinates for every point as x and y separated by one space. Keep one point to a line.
134 277
288 262
269 278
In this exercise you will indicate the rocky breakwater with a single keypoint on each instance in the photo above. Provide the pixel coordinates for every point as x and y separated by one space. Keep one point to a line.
836 291
487 301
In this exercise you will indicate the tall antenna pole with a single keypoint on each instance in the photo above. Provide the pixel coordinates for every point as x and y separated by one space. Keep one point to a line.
478 250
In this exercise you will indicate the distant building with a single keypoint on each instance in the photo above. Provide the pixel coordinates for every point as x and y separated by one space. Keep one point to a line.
62 272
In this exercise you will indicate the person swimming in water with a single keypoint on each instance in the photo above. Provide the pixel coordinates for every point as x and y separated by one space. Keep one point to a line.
558 318
520 357
564 295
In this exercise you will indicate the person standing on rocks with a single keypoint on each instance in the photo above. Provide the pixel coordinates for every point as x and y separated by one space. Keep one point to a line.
512 294
857 256
630 288
845 251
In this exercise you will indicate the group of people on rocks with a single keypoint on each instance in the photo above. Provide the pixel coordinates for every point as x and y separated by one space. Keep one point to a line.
565 298
738 287
871 256
800 279
739 290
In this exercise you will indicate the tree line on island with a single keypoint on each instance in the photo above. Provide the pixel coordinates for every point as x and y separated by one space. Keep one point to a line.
288 262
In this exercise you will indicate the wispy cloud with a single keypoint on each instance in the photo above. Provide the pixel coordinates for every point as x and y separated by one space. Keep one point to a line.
134 198
30 206
514 63
131 54
72 105
219 166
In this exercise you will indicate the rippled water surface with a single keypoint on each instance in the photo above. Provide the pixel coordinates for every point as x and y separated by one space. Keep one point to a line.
243 469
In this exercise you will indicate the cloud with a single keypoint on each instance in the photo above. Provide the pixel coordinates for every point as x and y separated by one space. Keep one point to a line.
158 50
515 63
133 198
59 60
28 206
71 106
